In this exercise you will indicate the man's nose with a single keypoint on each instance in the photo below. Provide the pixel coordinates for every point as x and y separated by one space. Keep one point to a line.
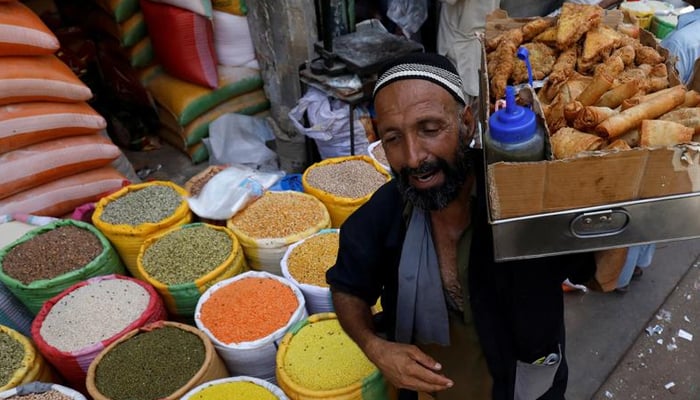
415 153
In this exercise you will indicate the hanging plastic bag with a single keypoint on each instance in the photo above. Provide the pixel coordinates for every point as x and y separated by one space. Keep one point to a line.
240 139
409 15
230 190
329 124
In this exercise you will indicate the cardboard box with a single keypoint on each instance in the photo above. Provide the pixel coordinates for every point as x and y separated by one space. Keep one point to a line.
525 195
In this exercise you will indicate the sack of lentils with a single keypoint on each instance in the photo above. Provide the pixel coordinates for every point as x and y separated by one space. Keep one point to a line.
41 391
305 264
343 184
267 226
246 316
162 360
20 363
49 259
72 328
318 360
183 262
236 388
134 213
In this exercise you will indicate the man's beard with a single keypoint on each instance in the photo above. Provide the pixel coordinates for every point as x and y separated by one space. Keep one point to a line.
439 197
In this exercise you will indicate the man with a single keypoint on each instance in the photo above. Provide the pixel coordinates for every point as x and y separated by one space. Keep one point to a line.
458 325
684 42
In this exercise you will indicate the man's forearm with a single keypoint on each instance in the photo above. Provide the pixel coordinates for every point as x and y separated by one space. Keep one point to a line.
355 317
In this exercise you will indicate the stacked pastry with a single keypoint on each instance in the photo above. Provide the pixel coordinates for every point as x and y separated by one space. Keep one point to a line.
603 88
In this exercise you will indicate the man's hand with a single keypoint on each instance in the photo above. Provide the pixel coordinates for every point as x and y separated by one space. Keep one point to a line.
407 367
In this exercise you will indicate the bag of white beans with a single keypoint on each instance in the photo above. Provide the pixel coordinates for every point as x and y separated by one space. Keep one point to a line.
42 391
72 328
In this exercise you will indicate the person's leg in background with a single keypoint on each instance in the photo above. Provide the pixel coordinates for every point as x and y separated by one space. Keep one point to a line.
638 257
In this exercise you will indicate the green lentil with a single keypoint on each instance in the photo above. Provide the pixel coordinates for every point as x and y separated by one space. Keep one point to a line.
47 395
186 254
150 365
352 179
321 356
151 204
11 357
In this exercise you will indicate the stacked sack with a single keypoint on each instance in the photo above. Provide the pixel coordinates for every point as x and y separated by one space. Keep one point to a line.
124 28
207 68
52 157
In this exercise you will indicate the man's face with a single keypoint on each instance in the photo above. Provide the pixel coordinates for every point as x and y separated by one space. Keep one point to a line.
424 140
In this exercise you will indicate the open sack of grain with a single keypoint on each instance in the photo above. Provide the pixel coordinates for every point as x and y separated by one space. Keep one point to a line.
72 328
41 391
183 262
21 362
268 225
318 360
343 184
129 216
162 360
246 316
49 259
305 264
239 387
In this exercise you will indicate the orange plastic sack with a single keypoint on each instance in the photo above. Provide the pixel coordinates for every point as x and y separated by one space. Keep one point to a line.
23 124
22 32
62 196
41 163
39 78
183 41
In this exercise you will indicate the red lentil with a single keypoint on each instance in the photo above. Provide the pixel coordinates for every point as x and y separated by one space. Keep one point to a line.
248 309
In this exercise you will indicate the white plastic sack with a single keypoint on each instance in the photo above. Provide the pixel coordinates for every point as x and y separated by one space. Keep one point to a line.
256 358
240 139
318 299
409 15
370 151
276 390
230 191
329 124
232 41
201 7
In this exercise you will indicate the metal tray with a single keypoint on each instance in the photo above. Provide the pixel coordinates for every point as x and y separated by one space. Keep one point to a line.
608 226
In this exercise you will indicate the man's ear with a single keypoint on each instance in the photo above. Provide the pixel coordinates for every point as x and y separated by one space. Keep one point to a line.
469 121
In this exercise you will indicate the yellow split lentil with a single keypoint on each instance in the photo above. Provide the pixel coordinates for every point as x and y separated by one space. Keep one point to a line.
309 261
279 214
239 390
321 356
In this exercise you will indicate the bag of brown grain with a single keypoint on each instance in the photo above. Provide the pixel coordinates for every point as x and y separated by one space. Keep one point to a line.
268 225
343 184
183 262
41 390
162 360
305 264
134 213
246 316
73 327
53 257
21 362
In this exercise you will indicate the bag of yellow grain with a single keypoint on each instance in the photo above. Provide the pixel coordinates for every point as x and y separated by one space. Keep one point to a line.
239 387
183 262
51 258
268 225
162 360
318 360
131 215
41 390
246 316
343 184
21 363
72 328
305 264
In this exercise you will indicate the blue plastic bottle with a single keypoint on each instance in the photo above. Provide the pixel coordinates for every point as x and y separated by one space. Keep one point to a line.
514 133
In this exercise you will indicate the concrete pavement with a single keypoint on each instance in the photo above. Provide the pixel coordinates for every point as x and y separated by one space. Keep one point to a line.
610 354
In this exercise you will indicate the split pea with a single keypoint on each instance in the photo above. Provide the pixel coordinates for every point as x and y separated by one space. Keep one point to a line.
150 204
11 357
